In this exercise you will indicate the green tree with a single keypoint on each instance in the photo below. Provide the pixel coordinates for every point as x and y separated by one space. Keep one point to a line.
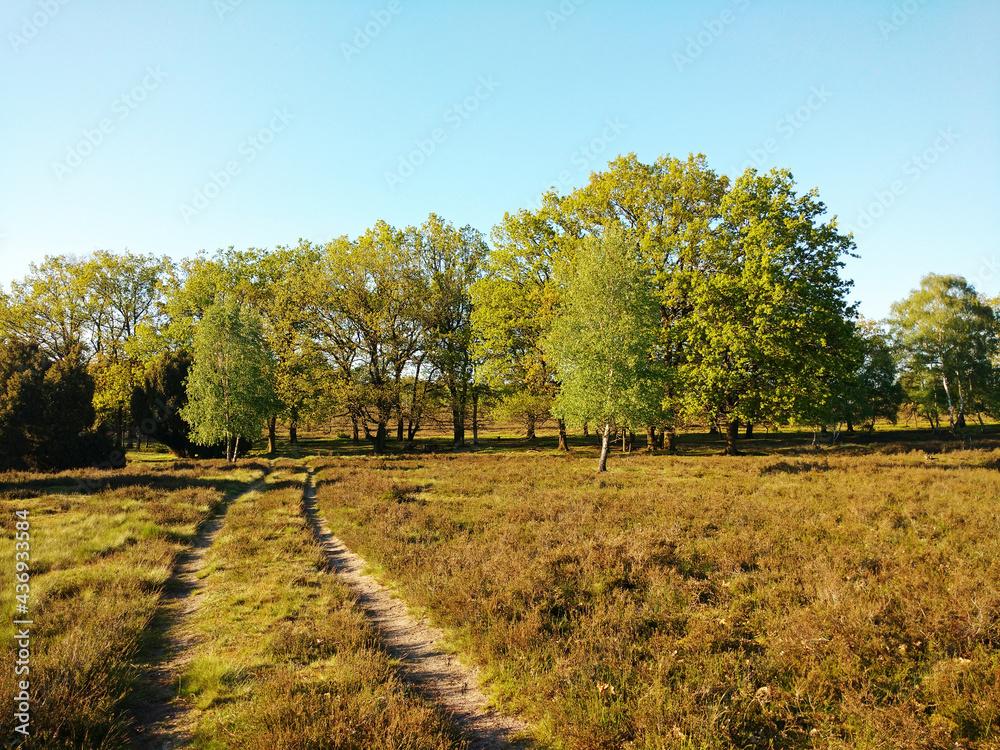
370 299
671 208
46 410
769 321
945 335
49 306
513 305
230 388
453 261
872 390
603 340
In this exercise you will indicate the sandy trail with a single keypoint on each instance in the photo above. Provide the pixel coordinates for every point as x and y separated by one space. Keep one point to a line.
417 645
161 721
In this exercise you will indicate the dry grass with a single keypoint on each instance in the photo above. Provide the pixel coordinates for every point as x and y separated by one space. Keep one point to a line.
98 563
836 600
284 657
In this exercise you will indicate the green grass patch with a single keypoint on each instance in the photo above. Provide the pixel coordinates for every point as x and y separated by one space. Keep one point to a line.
98 561
284 657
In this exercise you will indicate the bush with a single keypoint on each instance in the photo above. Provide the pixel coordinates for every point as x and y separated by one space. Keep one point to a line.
46 411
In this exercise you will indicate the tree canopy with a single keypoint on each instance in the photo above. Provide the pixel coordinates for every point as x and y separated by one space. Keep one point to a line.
738 280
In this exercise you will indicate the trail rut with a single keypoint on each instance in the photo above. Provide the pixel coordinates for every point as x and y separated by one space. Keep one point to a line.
161 721
417 645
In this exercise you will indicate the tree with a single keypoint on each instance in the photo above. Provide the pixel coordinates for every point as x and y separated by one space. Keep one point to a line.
604 338
945 334
230 388
370 303
46 410
769 321
672 208
513 305
453 260
872 390
49 307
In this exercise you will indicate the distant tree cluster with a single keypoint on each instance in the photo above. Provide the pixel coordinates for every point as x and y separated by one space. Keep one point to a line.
656 297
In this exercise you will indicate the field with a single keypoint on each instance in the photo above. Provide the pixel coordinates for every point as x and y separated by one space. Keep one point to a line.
844 597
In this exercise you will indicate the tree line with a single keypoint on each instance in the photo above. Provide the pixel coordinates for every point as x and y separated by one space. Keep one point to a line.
655 297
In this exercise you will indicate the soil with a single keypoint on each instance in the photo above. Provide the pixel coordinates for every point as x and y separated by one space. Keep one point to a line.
418 646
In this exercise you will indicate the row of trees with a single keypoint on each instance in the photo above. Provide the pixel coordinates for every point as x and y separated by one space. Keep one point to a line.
656 296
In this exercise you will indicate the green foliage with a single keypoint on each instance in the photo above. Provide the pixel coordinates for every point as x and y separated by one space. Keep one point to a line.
453 261
769 319
370 315
603 340
871 390
46 411
230 388
946 340
513 305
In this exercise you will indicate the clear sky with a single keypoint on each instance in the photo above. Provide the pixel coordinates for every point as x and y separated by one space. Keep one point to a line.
173 126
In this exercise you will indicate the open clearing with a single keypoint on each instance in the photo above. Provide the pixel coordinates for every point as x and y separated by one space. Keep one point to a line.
830 599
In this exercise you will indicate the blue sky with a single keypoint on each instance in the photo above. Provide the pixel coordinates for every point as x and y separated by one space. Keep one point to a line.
172 127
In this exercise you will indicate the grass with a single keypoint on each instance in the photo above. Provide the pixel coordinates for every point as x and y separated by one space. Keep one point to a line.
847 598
98 562
284 658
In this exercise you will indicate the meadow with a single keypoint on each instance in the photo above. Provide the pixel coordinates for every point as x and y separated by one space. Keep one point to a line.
844 597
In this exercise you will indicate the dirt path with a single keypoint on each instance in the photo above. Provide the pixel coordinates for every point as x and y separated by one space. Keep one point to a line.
417 645
161 721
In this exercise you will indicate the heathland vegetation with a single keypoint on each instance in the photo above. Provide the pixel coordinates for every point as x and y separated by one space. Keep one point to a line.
834 593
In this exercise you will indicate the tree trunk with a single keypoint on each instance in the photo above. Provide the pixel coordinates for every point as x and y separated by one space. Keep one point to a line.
651 437
562 436
293 434
354 428
732 433
951 408
586 429
602 464
749 430
475 416
380 435
236 448
850 427
714 428
399 429
457 418
272 438
671 439
531 429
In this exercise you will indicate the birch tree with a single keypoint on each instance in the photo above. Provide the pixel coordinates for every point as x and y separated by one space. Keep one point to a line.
230 388
603 341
